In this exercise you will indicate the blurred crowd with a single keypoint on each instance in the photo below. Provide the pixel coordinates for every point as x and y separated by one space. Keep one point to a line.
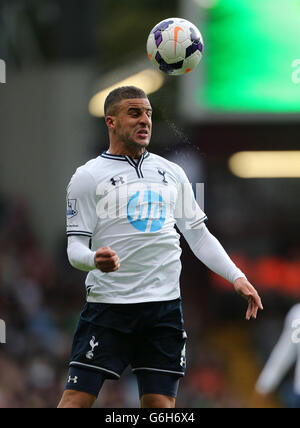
40 301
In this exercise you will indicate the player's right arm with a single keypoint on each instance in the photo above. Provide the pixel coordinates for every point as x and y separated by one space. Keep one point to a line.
81 257
81 222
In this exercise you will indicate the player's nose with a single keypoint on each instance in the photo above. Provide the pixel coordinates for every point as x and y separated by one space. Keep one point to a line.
145 119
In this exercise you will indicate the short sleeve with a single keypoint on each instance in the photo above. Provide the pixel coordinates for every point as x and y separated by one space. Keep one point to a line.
81 204
188 213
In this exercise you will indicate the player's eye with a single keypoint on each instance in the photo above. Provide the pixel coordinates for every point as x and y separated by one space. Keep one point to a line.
134 114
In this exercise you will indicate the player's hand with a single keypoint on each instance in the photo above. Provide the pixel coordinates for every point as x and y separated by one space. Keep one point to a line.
246 290
107 260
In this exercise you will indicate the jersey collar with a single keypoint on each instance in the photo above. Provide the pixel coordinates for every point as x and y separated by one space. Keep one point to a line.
135 163
129 159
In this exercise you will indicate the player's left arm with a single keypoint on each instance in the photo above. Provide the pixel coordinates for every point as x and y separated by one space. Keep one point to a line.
208 249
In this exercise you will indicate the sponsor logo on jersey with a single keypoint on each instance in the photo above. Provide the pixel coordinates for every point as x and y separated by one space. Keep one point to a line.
146 211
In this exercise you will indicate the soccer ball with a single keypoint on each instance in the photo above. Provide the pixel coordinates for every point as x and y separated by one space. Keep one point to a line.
175 46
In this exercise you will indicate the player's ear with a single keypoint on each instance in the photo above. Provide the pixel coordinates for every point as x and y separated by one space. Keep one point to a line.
110 121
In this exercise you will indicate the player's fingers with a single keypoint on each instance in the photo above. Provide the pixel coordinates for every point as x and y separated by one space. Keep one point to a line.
251 310
255 311
108 262
116 268
257 300
253 295
250 292
107 269
105 252
106 259
110 270
248 315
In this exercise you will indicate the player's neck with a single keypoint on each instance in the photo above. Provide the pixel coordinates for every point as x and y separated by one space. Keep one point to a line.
123 151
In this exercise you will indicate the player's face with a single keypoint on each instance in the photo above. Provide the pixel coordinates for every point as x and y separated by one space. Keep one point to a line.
134 123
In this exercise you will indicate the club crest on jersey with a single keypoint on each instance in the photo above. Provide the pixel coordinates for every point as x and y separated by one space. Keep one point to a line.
163 173
71 208
118 179
90 354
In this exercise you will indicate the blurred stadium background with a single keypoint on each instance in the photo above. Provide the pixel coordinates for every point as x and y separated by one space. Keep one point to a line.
244 96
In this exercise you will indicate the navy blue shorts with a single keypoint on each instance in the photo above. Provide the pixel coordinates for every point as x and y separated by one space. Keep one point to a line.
148 336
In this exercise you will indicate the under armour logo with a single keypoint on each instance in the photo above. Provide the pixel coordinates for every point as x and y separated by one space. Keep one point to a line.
163 173
73 379
90 354
117 179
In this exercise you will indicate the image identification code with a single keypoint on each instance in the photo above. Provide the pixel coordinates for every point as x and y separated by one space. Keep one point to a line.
155 417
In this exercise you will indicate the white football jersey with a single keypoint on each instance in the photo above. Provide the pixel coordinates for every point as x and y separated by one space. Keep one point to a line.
132 206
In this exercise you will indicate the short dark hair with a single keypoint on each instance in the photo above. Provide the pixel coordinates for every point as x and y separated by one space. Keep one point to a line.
119 94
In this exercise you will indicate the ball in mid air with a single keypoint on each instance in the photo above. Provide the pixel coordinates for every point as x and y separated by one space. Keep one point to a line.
175 46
